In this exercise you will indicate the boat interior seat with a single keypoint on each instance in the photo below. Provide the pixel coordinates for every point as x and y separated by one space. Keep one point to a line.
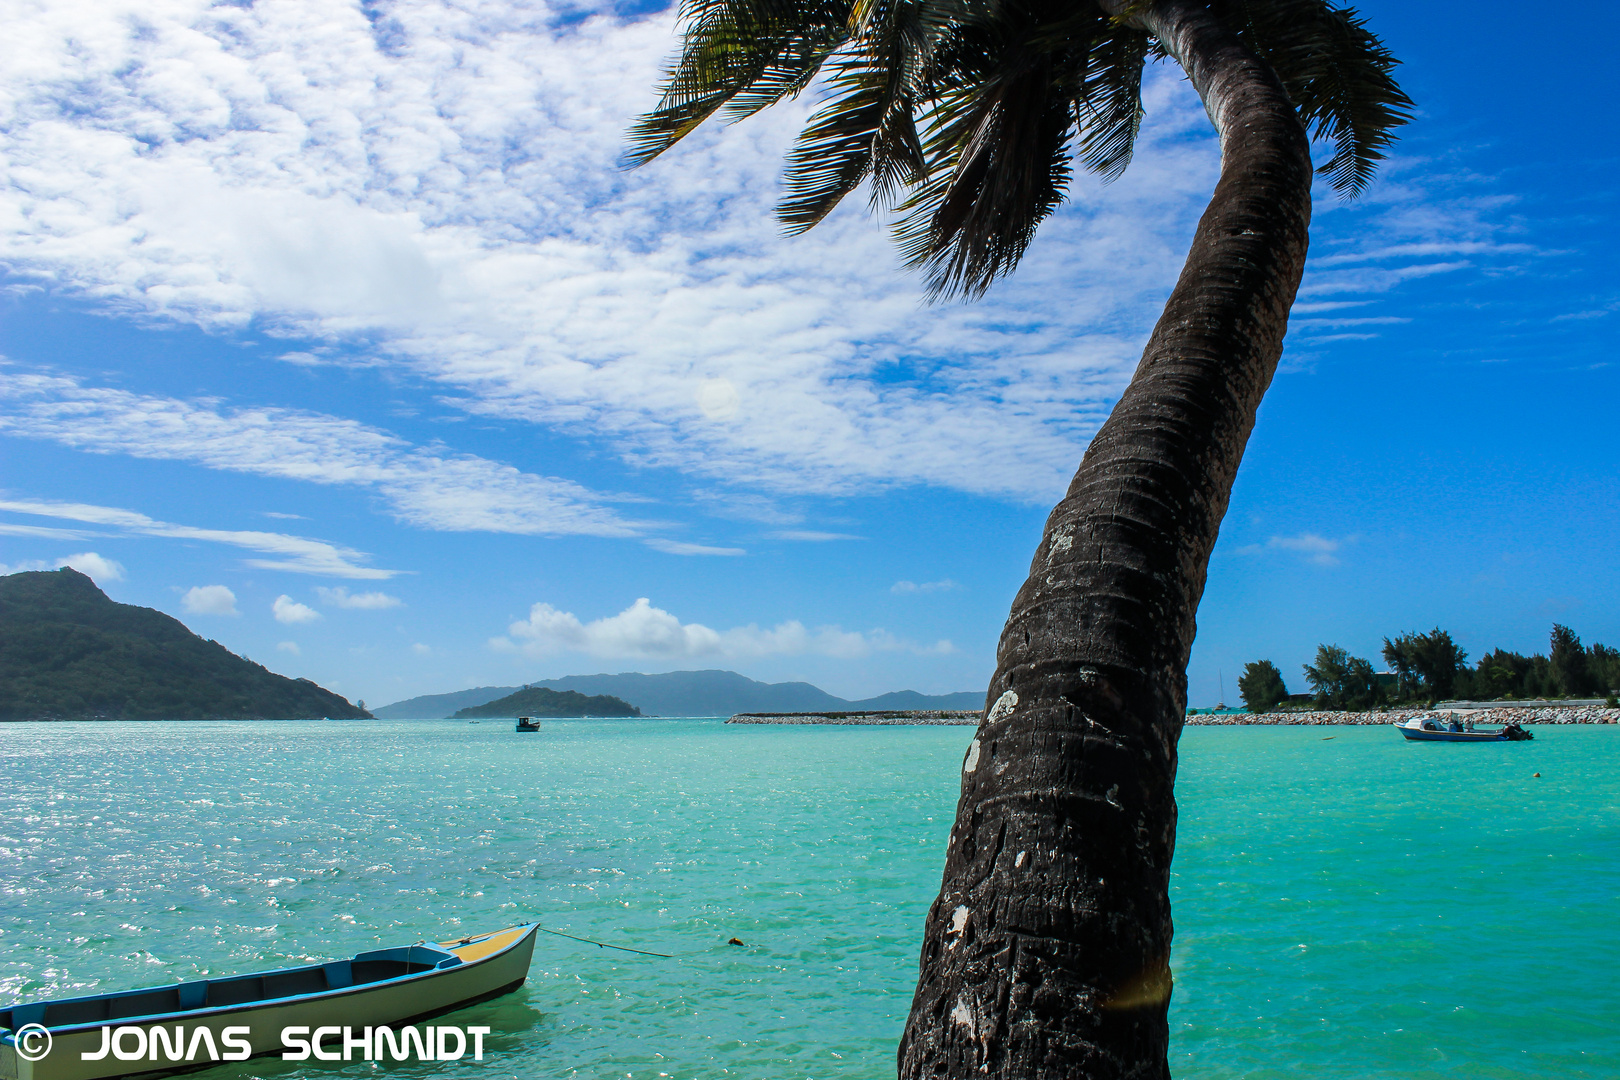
84 1011
235 991
382 964
32 1013
301 981
368 971
150 1003
278 984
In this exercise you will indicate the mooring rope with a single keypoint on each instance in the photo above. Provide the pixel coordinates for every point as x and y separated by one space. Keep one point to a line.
603 944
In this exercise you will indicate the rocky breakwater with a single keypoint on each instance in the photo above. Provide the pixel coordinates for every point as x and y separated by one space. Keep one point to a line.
910 716
1493 717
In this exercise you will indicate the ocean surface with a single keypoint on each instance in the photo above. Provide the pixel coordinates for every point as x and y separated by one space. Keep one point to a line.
1346 904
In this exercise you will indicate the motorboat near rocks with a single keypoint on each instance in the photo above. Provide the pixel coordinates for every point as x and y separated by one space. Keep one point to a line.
1450 729
385 987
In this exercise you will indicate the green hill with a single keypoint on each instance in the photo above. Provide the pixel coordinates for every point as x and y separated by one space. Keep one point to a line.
689 693
441 706
538 701
68 652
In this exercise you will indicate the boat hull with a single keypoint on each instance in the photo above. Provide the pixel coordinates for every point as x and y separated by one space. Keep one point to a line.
1419 735
390 1002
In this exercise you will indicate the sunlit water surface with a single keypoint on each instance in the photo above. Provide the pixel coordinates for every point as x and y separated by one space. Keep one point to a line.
1345 907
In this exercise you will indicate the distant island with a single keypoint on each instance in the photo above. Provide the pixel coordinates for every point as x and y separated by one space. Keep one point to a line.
687 693
69 652
540 701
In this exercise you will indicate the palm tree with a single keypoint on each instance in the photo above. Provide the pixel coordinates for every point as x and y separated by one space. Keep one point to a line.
1047 951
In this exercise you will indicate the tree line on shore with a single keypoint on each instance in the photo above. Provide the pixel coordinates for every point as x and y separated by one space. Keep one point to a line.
1425 668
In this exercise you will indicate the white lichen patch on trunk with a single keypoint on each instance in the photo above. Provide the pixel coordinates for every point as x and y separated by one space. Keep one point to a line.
1003 707
971 762
1062 540
963 1013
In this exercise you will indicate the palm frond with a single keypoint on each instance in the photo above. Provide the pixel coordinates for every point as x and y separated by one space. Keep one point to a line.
978 109
1110 103
1024 92
744 53
1338 74
1000 165
868 128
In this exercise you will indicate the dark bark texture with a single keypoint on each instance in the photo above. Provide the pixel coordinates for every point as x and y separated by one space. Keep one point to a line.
1047 952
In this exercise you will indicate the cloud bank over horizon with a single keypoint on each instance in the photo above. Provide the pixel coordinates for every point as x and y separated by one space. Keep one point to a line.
642 631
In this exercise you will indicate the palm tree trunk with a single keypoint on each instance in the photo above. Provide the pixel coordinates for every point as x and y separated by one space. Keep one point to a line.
1047 952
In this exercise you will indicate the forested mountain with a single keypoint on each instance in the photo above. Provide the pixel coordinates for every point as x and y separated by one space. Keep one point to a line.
689 693
440 706
68 652
539 701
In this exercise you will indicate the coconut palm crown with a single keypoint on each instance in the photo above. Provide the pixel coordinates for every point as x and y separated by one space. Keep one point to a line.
967 115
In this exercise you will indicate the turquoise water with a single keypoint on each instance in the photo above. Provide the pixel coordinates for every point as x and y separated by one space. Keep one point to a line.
1349 906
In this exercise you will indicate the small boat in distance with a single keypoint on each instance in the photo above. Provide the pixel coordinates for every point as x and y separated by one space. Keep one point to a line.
245 1014
1437 729
528 723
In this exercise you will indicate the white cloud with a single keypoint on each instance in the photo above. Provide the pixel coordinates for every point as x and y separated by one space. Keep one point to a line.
94 566
369 601
1372 280
743 506
444 199
1424 250
289 611
292 553
87 563
681 547
905 588
451 203
811 536
209 600
644 631
432 489
1315 548
42 532
421 650
290 647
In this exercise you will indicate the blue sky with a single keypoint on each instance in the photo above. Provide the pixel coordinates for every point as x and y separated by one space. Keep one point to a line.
346 341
